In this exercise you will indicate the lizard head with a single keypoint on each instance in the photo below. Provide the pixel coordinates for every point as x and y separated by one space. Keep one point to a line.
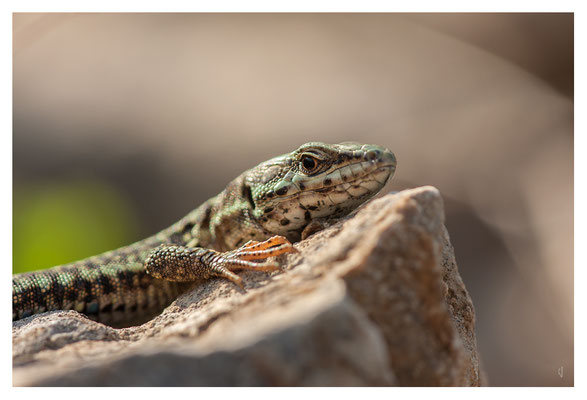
316 181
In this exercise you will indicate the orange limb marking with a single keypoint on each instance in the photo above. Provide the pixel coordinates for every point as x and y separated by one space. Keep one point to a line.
262 254
271 242
254 250
242 257
242 264
250 244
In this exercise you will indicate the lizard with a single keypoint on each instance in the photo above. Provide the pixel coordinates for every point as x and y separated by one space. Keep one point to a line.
257 216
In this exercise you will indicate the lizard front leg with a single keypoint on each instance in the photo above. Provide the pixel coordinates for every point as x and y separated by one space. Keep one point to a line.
184 264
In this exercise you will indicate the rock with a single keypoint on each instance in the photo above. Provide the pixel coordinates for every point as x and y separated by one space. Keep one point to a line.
373 300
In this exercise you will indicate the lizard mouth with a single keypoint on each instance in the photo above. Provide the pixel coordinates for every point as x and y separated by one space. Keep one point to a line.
334 200
380 175
353 177
368 175
373 163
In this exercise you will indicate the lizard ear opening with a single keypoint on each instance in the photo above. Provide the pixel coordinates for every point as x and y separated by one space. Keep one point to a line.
247 195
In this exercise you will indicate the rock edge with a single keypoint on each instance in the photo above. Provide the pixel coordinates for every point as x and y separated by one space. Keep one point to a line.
375 300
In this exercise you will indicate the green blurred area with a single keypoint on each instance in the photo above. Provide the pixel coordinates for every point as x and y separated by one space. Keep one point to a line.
57 223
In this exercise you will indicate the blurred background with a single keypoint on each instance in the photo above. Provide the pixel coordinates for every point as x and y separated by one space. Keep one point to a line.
125 122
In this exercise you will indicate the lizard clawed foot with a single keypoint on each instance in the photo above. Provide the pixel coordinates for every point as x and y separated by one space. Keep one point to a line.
244 257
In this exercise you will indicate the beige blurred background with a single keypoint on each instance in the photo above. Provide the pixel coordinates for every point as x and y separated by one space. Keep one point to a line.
125 122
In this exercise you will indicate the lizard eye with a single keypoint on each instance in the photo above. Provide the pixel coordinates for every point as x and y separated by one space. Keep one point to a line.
309 164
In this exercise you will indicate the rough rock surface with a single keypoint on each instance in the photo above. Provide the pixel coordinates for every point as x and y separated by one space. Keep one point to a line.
375 299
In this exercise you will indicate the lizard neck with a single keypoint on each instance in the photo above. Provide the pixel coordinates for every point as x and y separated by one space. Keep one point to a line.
222 223
232 222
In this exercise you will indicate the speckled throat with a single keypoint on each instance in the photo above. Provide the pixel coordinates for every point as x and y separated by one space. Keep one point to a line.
255 217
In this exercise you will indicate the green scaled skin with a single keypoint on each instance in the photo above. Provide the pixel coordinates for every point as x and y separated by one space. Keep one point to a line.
259 213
